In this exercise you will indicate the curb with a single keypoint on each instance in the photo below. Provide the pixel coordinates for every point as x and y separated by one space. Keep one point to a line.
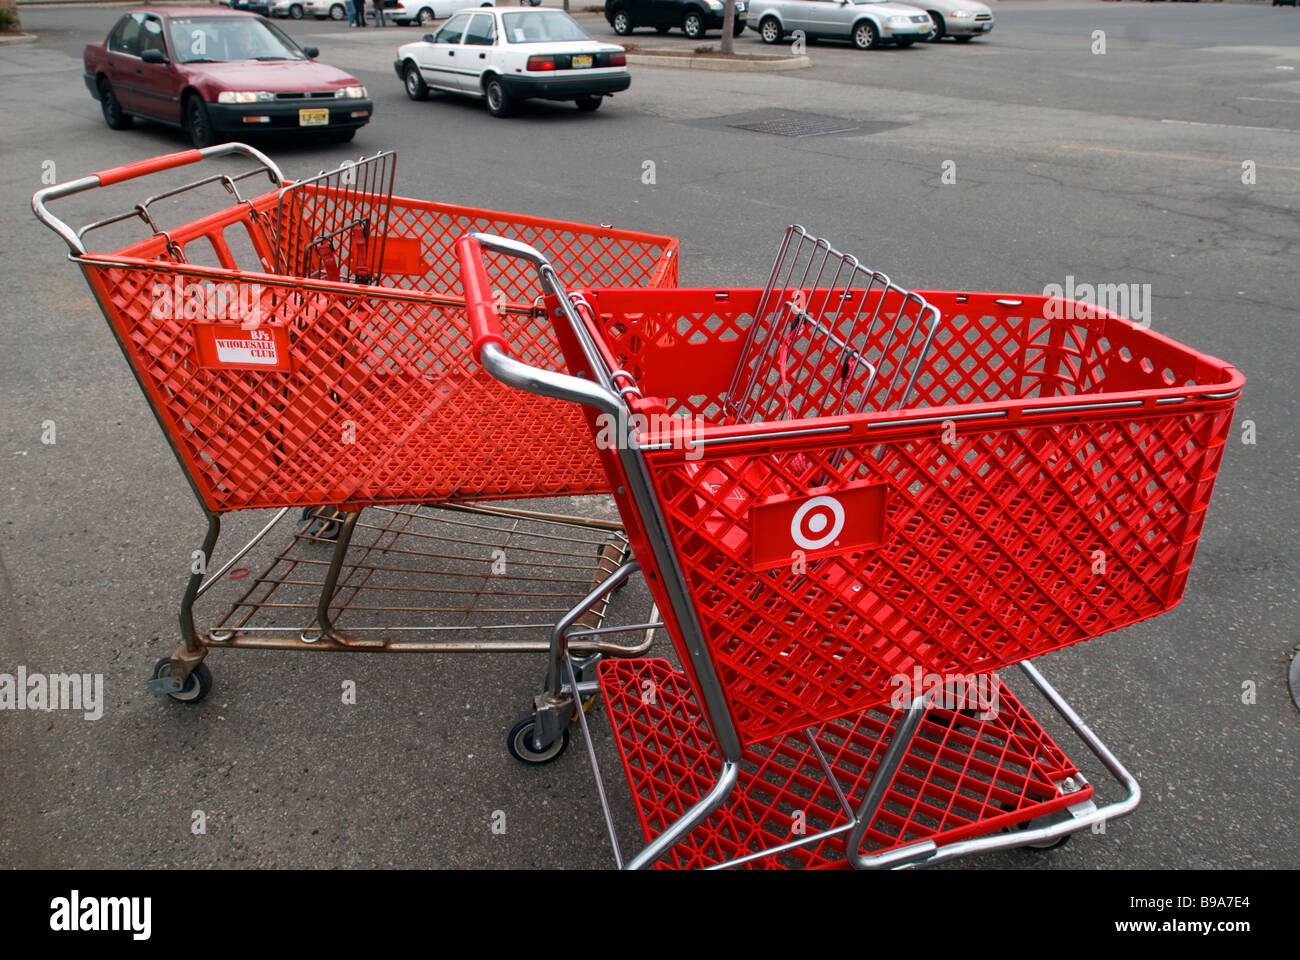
17 38
768 65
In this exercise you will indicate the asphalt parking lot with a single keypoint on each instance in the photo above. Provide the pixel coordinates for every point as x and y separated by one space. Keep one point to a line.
1122 167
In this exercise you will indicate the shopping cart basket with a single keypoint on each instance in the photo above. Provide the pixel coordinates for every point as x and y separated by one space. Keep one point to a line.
305 348
838 492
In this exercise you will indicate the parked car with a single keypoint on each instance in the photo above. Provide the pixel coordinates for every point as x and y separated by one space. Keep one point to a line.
422 11
694 17
260 7
293 9
219 74
504 56
868 23
963 20
320 9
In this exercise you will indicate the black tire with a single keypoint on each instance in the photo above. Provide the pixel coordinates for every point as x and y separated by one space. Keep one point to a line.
318 527
112 109
338 12
415 86
197 685
424 16
623 23
964 39
865 35
295 12
519 742
1042 846
589 104
498 101
939 30
738 28
693 24
770 30
198 126
662 30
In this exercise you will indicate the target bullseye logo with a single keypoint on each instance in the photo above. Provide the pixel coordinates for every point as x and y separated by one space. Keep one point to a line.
809 528
822 523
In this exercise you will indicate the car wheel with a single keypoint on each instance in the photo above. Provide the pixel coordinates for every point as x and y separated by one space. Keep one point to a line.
589 104
198 126
966 39
693 25
338 12
770 30
738 28
424 16
865 36
938 30
112 109
498 101
622 23
416 88
295 12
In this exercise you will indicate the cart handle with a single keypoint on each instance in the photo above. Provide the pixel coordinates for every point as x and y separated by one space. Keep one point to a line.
130 171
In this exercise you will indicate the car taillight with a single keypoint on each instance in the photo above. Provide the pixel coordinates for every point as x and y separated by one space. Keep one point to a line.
618 59
541 63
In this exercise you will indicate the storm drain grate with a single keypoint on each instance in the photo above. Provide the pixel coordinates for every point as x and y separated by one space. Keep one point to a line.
798 125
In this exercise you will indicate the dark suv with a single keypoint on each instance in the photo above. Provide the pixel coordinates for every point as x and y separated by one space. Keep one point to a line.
694 17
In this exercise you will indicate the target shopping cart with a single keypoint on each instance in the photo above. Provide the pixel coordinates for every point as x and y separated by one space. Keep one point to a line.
305 348
860 502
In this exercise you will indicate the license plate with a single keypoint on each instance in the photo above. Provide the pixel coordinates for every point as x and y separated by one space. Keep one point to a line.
314 117
580 62
742 15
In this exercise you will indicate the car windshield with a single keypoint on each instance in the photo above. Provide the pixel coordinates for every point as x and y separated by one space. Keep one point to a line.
532 26
222 39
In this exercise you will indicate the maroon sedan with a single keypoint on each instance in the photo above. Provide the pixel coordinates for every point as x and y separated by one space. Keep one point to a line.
219 74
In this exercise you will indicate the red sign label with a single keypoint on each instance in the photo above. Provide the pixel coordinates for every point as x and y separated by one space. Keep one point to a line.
228 346
786 529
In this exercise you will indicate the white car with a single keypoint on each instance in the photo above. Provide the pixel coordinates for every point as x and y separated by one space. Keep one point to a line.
320 9
422 11
960 19
503 56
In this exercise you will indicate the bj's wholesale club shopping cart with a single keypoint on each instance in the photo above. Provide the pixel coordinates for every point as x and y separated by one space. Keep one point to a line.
305 349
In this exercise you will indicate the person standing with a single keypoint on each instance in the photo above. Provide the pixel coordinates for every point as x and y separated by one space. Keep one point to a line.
361 13
379 14
351 7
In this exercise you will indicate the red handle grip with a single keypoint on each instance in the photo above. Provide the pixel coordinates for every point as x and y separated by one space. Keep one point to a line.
139 168
484 324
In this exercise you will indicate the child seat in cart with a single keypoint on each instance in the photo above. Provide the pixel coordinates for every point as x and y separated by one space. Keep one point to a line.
858 504
305 349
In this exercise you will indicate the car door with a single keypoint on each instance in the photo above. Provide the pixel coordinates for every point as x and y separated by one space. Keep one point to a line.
798 15
437 60
123 54
157 85
476 46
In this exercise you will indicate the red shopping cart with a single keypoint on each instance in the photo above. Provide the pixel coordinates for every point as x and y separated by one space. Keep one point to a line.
851 501
306 348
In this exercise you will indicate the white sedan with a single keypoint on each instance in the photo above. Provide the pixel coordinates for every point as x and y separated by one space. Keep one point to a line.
503 56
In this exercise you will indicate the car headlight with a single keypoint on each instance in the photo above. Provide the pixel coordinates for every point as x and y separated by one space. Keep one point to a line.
716 4
963 14
244 96
351 93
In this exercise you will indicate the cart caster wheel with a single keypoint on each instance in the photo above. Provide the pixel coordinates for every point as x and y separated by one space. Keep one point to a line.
197 685
319 528
1041 846
587 703
520 743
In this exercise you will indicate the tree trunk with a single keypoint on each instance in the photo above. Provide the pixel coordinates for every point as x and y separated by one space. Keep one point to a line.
9 22
728 24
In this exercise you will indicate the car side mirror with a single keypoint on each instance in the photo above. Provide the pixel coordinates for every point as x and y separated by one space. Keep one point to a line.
428 38
312 52
153 56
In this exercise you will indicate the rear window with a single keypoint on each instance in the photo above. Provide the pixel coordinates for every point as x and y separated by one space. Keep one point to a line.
533 26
